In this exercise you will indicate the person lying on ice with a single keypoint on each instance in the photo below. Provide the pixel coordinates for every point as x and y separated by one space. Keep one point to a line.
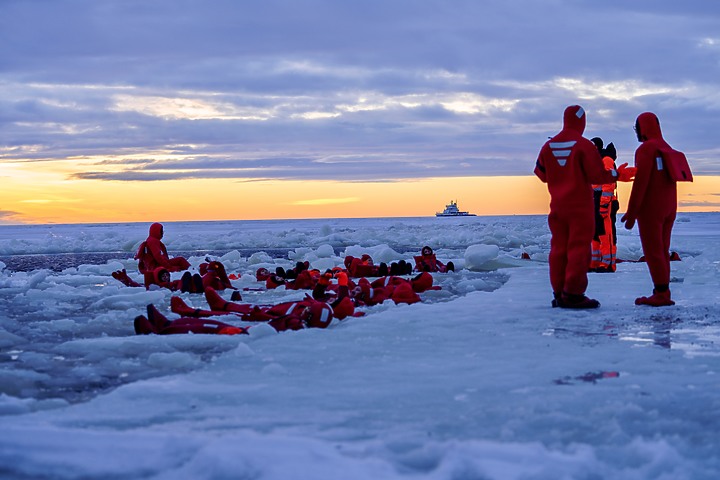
299 278
213 275
428 262
366 293
152 254
314 313
304 280
191 283
325 290
157 323
364 267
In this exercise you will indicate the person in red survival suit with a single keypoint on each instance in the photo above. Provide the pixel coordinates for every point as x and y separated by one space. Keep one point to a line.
157 323
214 275
191 283
428 262
569 164
304 313
153 254
653 203
364 267
397 289
305 279
339 295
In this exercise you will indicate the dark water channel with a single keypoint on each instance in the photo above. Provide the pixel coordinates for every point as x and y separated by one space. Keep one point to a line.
57 262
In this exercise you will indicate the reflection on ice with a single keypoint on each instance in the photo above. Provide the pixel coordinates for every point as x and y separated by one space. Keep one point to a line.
693 332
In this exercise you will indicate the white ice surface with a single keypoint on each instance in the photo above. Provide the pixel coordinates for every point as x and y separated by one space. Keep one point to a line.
483 380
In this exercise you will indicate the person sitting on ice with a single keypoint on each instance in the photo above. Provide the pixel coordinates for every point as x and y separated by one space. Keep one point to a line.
428 262
153 254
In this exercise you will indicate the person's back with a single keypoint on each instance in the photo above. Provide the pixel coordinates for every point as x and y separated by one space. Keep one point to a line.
570 164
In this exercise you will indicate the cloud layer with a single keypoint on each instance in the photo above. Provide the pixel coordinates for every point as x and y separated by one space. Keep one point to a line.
352 91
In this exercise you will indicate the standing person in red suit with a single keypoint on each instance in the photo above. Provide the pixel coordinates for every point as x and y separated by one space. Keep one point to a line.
653 203
570 163
152 254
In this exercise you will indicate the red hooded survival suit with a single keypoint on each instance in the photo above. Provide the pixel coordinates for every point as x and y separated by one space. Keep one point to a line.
570 164
152 254
653 199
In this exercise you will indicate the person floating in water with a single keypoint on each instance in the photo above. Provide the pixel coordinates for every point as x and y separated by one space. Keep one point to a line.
428 262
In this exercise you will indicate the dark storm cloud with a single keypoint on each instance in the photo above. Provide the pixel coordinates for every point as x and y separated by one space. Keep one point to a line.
379 168
269 89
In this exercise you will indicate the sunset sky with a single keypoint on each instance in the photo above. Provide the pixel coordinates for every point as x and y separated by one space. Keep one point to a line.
125 110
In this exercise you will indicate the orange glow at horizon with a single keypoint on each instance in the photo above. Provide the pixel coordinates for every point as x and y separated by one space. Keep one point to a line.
46 199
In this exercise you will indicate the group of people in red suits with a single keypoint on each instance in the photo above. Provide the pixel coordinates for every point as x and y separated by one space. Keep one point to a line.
570 165
335 293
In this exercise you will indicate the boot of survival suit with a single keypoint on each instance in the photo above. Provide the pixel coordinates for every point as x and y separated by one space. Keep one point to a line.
567 300
657 299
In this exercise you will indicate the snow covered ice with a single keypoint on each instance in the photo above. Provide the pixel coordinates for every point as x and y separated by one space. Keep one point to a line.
482 380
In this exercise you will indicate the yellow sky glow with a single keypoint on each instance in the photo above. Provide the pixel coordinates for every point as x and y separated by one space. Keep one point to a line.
33 194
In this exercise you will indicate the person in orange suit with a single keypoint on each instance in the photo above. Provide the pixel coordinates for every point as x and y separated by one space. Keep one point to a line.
653 204
604 243
569 164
